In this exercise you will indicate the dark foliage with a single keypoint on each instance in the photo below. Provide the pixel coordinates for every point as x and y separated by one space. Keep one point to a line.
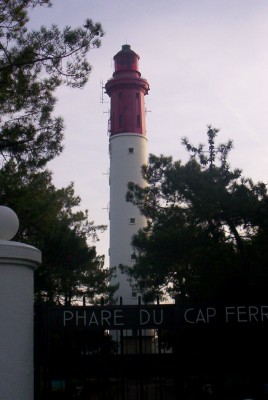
207 228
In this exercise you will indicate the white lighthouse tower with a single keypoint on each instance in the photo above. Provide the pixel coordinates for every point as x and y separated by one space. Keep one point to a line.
128 152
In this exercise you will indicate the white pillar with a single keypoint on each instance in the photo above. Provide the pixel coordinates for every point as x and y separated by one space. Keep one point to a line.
17 264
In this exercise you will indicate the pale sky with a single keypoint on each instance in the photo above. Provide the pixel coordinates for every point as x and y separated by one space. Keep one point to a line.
206 62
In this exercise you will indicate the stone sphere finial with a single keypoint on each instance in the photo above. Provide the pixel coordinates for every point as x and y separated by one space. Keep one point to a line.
9 223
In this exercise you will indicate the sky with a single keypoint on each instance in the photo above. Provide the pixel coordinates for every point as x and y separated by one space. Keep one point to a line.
206 62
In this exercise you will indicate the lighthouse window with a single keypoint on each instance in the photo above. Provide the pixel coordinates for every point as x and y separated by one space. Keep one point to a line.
137 95
132 220
120 95
134 292
112 121
138 121
131 150
120 120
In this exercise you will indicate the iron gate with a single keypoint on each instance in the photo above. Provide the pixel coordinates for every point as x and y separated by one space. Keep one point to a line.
151 352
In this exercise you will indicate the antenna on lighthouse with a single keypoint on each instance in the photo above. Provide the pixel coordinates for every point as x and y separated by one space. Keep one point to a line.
102 92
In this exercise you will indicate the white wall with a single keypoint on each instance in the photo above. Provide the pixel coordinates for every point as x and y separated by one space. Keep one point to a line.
124 167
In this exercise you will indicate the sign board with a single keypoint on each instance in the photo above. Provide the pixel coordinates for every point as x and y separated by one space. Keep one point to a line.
157 316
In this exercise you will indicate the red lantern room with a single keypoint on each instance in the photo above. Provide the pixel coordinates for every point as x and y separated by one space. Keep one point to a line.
126 60
127 90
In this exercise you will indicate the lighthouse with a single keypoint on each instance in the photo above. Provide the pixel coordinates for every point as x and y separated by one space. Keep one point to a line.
128 152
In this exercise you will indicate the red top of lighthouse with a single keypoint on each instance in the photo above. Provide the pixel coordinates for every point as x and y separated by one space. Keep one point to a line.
127 90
